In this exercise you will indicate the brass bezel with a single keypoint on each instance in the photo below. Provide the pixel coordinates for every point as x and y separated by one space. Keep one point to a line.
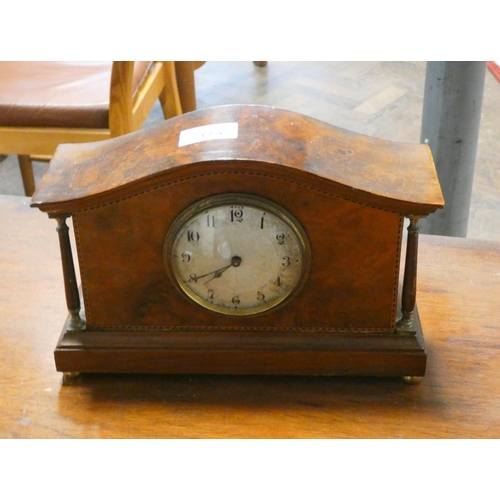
254 201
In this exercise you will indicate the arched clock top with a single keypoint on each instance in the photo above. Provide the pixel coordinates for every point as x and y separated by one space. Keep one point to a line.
396 176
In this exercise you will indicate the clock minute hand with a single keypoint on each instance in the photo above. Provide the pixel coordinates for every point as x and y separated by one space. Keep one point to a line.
195 278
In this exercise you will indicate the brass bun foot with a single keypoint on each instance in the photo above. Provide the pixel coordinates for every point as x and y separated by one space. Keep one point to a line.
71 375
412 380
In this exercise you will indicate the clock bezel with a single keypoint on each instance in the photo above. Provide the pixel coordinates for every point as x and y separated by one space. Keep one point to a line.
246 199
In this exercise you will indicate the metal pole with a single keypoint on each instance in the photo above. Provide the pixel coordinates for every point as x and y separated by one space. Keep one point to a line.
450 125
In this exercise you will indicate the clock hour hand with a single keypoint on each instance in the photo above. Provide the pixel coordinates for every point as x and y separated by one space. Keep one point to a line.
235 262
216 274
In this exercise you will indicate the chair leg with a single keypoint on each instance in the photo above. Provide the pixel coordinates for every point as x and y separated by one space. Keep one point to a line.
169 98
184 71
26 168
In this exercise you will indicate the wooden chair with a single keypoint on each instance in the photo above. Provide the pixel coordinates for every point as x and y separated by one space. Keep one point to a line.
44 104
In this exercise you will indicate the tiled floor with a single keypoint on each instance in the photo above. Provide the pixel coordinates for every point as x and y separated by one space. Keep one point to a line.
382 99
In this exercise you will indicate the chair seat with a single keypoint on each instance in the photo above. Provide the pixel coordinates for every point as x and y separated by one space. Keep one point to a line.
43 94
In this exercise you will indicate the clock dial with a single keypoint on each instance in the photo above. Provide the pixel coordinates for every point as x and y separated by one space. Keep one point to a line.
237 254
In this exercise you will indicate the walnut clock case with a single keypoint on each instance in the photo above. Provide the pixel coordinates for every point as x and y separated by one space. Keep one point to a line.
241 240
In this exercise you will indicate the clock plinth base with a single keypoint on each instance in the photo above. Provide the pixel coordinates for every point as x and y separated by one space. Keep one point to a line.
248 352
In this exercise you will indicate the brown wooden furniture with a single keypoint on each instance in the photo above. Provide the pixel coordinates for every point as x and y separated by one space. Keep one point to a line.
459 397
44 104
349 193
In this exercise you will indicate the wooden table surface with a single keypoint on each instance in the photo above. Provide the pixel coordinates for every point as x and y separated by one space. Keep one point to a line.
459 305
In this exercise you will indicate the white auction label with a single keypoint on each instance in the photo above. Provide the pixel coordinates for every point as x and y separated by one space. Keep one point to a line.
208 133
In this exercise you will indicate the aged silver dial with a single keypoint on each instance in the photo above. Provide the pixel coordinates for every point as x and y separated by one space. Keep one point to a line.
237 254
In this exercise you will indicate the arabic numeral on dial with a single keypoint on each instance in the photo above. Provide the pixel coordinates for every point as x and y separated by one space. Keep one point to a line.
210 296
236 300
237 214
193 236
193 278
281 238
286 261
186 257
210 220
262 221
260 296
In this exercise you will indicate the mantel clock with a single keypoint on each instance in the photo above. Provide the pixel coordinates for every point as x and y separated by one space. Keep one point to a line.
241 240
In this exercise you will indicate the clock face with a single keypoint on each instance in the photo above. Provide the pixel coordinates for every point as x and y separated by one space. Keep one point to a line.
237 254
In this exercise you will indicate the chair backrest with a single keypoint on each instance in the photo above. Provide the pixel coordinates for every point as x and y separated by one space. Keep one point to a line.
134 88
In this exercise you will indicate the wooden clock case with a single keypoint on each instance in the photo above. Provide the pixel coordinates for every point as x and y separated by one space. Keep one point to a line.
351 194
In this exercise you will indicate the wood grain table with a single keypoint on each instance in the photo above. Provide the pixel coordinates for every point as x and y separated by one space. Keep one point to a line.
459 305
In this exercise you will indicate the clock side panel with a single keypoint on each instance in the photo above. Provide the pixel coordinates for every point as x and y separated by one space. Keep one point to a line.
352 284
